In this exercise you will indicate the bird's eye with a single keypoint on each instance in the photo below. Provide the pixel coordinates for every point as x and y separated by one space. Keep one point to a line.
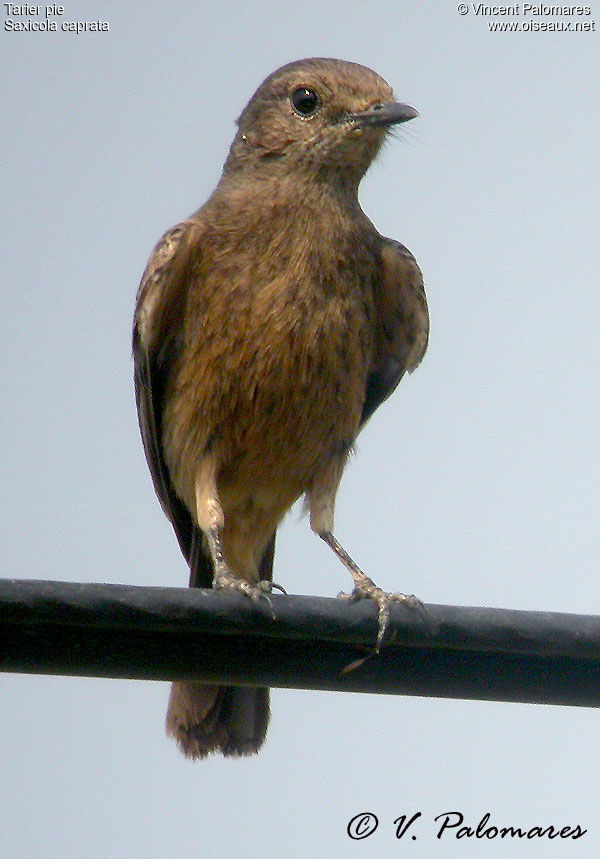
304 101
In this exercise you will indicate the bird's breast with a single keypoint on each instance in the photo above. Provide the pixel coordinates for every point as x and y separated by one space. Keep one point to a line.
271 379
304 351
277 341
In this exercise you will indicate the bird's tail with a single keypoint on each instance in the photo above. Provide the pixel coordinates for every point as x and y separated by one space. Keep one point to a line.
227 719
202 718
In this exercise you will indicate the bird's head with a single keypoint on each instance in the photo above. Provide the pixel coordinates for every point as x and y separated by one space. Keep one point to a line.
324 117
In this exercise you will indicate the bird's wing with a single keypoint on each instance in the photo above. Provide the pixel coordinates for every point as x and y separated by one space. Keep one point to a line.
157 342
157 331
402 324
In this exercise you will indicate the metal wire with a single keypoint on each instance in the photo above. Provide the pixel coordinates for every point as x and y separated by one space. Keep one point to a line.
311 643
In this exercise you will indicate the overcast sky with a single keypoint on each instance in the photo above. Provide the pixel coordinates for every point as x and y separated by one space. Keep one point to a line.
476 484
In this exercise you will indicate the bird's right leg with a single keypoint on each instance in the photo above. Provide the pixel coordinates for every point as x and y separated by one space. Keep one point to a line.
211 519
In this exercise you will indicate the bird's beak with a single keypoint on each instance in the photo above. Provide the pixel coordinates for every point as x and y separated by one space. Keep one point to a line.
384 114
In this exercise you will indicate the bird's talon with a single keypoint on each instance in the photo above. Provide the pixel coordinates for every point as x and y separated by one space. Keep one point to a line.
268 586
256 592
278 588
368 590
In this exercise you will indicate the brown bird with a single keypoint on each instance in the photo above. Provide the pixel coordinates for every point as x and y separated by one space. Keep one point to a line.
268 328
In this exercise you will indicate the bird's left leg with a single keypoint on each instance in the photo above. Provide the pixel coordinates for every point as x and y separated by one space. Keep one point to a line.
321 503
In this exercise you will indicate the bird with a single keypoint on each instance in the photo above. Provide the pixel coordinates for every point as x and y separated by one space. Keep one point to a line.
268 327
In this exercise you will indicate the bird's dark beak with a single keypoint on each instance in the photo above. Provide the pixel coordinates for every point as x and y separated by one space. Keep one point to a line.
385 114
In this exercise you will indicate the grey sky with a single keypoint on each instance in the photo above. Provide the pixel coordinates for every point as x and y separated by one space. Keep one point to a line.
476 484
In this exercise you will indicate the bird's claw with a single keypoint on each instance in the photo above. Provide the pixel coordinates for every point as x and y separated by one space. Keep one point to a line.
273 585
367 589
257 592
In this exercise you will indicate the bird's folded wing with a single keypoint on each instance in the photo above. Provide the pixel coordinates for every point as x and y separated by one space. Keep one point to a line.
402 324
157 332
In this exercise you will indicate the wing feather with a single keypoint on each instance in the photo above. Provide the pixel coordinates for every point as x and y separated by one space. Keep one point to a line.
402 327
156 343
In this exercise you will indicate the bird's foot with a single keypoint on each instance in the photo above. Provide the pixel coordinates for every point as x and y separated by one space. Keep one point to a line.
365 588
256 591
